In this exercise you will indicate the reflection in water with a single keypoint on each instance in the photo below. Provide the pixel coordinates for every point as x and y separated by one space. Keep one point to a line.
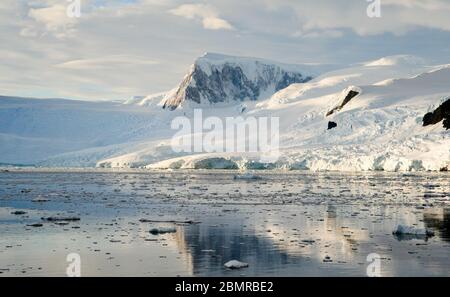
439 221
287 224
211 247
285 246
407 237
298 246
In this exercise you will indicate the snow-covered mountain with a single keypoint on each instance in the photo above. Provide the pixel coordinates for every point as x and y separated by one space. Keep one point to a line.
390 114
216 78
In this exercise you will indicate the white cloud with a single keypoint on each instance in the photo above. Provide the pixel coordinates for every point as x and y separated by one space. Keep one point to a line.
397 16
54 19
121 48
214 23
206 13
106 62
319 34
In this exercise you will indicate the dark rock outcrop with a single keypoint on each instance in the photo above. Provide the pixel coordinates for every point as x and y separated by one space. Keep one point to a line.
331 125
439 114
350 95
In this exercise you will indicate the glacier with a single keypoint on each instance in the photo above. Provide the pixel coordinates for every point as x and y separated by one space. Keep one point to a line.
379 127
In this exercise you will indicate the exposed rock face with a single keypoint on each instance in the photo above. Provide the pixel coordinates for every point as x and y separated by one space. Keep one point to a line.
216 78
441 113
350 95
331 125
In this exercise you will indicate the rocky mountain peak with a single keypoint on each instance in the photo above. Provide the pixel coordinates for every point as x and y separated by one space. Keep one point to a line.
217 78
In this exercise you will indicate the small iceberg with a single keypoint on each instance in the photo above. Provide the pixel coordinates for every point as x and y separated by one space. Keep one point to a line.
235 264
162 230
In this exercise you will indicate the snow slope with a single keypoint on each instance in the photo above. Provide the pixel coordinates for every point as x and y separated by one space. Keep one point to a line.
379 129
33 130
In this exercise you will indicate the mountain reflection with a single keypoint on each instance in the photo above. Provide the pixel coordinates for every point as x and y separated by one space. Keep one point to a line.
211 247
290 247
438 220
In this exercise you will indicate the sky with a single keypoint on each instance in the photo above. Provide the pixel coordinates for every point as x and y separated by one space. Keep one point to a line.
117 49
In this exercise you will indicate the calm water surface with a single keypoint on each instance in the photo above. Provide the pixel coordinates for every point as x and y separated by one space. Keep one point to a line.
285 224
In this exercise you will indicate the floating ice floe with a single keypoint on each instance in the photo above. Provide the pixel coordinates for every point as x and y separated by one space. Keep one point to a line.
235 264
162 230
59 219
35 225
40 199
179 222
248 176
327 259
18 212
409 230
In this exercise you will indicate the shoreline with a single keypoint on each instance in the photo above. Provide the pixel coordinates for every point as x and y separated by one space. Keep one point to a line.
13 169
